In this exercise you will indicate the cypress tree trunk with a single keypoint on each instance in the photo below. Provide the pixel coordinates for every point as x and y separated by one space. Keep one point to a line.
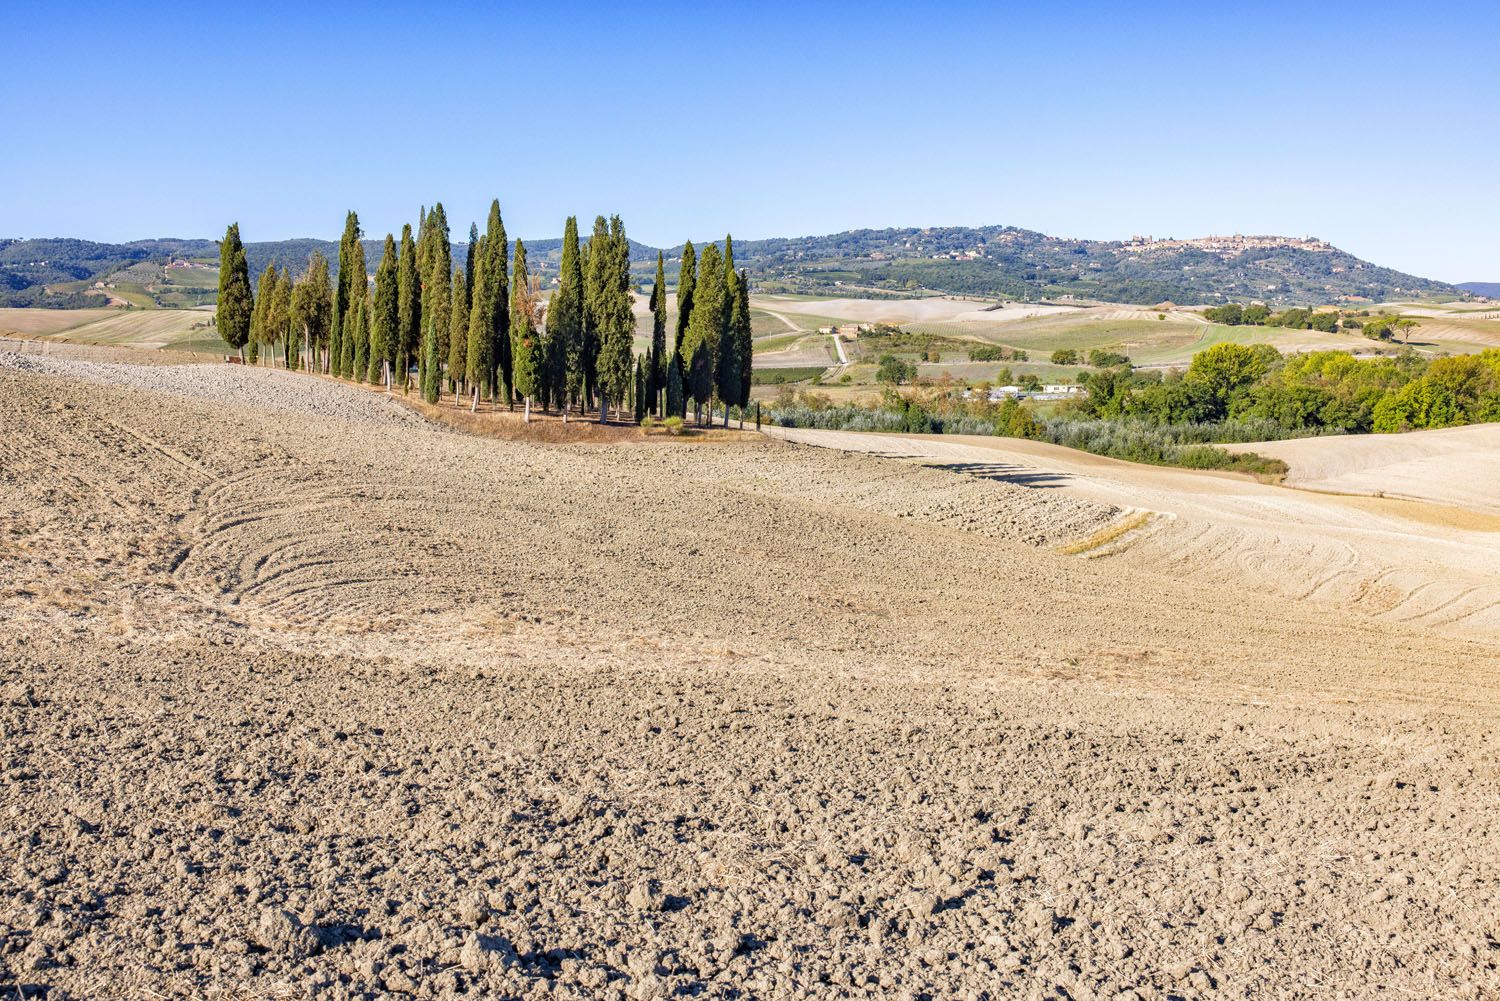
526 418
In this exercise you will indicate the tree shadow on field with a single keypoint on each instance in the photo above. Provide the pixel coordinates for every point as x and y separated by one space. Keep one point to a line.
1021 476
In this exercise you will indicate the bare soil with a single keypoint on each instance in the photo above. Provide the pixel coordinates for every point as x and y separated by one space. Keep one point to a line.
307 696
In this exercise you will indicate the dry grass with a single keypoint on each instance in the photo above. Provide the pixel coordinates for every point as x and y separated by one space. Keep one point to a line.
1107 534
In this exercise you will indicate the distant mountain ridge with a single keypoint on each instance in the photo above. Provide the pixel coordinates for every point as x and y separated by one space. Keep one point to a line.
991 261
1488 289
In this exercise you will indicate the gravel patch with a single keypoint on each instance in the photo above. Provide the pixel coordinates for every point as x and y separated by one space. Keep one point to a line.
268 389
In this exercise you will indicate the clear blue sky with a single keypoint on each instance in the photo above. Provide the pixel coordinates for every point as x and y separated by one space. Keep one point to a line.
1375 126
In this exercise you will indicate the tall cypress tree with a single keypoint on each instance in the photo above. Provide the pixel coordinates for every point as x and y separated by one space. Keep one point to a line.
429 365
595 262
437 281
656 373
312 306
700 345
616 321
279 316
497 270
345 357
469 264
727 369
479 363
687 278
525 356
408 308
260 332
235 303
458 330
744 342
349 284
385 316
565 320
360 355
675 402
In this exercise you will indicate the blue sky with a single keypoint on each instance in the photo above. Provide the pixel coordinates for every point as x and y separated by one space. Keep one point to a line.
1371 125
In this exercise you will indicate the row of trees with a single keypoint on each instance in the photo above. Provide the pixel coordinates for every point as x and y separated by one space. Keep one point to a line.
482 330
1296 318
1320 390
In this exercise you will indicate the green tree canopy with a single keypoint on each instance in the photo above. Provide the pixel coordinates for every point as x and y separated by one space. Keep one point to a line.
235 306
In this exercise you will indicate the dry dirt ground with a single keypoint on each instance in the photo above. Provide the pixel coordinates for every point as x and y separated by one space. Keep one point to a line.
305 696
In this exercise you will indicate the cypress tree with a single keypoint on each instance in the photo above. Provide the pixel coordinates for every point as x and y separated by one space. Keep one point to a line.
408 308
497 269
675 402
385 317
312 306
525 356
345 290
727 370
436 281
260 332
616 321
429 366
744 341
346 344
458 330
656 373
687 278
479 362
235 307
361 338
641 394
565 319
469 265
279 316
700 345
595 263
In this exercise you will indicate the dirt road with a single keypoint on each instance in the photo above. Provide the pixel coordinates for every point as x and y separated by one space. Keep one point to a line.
302 697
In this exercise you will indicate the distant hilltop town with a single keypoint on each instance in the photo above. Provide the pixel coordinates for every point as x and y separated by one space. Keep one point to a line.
1229 244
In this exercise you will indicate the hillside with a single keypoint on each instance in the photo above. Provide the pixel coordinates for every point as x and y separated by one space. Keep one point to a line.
1489 289
991 261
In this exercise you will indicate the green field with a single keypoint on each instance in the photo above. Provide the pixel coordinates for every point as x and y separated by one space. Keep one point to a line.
153 328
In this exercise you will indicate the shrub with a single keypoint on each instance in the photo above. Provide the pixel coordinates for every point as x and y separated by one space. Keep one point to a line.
1100 358
673 424
648 422
1065 356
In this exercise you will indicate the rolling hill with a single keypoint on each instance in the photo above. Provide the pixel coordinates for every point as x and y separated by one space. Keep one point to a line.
1001 262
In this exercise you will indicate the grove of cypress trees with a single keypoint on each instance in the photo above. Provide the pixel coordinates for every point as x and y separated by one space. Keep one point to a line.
235 306
687 278
656 373
385 317
525 353
479 361
497 309
700 345
458 331
616 321
408 308
565 320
